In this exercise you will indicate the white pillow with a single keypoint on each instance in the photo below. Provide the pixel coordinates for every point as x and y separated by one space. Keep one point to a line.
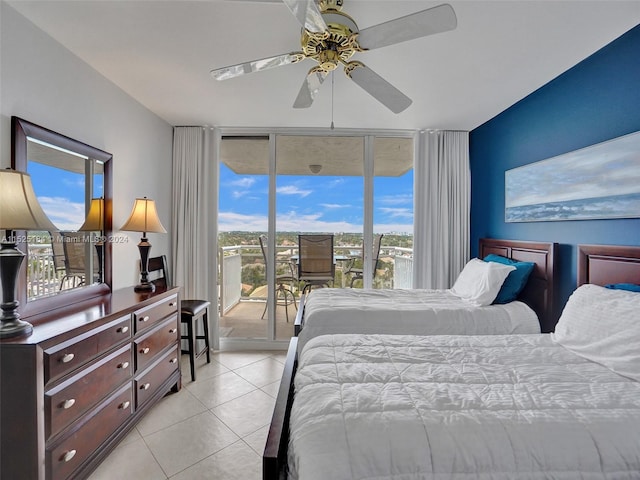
480 281
603 325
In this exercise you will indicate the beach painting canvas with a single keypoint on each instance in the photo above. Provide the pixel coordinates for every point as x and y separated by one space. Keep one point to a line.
600 181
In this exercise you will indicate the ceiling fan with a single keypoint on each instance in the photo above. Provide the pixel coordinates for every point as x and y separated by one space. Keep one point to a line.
331 38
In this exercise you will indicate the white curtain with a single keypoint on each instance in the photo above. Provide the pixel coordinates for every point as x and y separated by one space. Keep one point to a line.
194 217
442 197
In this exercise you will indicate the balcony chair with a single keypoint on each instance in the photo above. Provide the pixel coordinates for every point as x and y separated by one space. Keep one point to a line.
358 273
69 255
284 295
190 312
316 265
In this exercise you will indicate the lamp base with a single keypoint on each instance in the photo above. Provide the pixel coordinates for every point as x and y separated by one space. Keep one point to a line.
15 328
10 323
145 287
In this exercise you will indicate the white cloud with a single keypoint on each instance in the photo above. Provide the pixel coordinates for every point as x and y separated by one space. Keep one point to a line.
244 182
334 205
395 199
65 214
293 190
397 212
294 222
335 183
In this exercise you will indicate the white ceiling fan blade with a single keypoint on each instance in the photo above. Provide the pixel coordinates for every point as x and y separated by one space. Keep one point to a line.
310 87
256 65
377 87
308 14
420 24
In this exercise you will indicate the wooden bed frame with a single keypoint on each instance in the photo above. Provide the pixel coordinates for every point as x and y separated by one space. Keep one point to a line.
603 264
539 292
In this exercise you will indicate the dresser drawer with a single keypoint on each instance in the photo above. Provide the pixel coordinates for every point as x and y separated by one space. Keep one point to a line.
149 381
67 401
64 357
147 316
150 344
63 459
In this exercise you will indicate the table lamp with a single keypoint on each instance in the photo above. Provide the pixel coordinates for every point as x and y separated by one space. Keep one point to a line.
144 218
19 210
95 223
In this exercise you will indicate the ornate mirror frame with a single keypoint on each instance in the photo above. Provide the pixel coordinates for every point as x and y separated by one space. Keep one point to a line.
21 131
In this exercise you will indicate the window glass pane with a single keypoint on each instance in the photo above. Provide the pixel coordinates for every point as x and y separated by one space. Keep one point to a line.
319 189
242 218
393 211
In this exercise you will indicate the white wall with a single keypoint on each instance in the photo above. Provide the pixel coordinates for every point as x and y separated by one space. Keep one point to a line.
44 83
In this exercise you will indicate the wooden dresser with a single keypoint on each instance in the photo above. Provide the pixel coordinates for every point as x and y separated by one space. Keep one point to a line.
75 387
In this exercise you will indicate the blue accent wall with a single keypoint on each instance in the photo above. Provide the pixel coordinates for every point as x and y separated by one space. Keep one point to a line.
596 100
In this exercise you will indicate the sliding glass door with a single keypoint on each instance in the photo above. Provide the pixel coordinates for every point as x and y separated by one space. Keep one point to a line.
275 186
319 189
242 218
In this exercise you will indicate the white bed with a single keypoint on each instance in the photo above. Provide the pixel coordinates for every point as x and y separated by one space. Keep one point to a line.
408 407
438 312
500 407
409 312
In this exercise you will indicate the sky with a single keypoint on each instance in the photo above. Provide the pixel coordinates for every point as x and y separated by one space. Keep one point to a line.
310 203
61 195
314 203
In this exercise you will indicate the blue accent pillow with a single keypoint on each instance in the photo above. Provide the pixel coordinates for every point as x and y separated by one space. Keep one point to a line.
516 280
631 287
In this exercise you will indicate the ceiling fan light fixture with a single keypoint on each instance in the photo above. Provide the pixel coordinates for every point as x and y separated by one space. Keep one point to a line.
315 168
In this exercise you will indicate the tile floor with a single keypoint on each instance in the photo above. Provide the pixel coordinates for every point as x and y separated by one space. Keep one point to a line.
214 428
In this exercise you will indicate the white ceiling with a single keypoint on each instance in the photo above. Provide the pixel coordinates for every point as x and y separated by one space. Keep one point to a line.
161 51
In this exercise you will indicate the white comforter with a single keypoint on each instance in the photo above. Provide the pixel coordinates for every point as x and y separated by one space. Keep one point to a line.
409 312
459 407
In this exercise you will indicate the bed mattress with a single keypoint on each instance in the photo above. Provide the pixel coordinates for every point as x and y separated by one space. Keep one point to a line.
409 312
459 407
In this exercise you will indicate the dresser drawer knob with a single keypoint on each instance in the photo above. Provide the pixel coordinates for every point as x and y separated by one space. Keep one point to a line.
145 318
144 350
68 403
124 405
123 329
67 357
145 386
173 360
123 365
173 330
66 456
173 304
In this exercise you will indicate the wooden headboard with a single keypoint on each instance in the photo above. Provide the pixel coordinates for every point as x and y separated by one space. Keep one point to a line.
539 293
603 264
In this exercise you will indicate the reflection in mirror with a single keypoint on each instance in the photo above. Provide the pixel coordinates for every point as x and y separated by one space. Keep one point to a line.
68 257
72 181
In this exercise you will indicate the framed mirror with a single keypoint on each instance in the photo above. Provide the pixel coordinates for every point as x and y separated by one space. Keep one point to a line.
73 183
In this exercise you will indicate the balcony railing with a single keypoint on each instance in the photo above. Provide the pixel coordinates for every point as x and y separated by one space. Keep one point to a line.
43 277
242 270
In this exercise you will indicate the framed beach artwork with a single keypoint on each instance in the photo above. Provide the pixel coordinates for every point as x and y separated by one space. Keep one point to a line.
596 182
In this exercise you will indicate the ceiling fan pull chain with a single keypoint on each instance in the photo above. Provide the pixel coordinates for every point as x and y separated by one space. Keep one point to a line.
331 100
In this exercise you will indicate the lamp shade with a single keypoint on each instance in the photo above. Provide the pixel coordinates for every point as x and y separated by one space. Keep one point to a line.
19 207
144 218
95 218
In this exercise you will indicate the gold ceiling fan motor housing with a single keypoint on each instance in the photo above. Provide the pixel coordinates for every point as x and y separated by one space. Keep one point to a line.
337 43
